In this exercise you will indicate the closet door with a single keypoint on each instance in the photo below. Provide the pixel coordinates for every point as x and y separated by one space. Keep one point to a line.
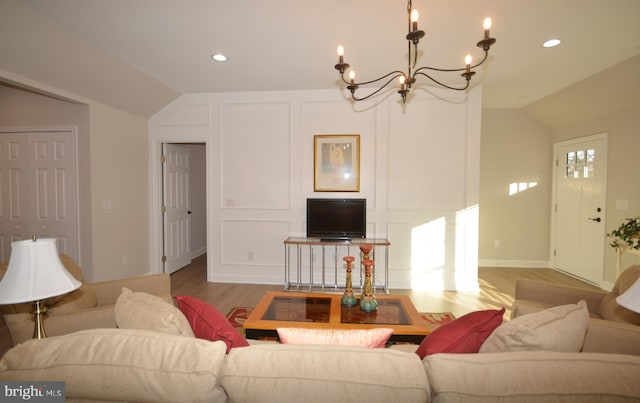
14 191
38 189
52 189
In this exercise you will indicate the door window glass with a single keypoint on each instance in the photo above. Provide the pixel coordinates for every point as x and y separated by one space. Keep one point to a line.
580 163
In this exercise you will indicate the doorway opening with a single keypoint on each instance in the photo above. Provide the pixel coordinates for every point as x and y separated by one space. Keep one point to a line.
183 200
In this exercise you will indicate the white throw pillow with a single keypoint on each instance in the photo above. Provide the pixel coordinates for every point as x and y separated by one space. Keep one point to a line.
371 338
561 328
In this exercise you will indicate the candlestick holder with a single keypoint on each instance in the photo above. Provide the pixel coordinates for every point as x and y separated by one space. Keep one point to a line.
368 302
349 298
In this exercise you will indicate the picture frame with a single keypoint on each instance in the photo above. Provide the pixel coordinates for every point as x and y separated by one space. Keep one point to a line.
336 160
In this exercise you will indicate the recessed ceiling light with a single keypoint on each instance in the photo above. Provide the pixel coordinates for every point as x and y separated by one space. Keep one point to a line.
219 57
551 43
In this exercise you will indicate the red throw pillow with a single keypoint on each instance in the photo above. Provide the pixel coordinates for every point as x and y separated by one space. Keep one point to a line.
209 323
463 335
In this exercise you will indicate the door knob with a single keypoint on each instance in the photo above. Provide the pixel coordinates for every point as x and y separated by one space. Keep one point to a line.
597 219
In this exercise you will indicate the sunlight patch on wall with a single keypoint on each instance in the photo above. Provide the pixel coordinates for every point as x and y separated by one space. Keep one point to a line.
518 187
444 252
466 249
427 253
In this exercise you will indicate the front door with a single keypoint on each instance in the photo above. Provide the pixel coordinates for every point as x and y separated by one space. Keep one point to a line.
580 176
175 174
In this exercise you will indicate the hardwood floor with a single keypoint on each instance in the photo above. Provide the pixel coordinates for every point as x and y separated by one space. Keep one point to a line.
497 286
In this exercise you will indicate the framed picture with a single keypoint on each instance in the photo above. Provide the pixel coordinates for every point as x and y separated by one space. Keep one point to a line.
336 163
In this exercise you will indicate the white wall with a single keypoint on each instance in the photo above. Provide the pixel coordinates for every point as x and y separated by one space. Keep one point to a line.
514 227
419 174
119 178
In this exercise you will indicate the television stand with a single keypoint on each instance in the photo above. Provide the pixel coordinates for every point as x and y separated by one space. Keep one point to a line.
301 271
336 240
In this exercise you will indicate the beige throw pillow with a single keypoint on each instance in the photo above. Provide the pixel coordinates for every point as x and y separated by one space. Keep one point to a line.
561 328
139 310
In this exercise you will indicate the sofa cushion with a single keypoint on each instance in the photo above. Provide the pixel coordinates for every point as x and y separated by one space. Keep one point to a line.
561 328
323 373
207 322
610 309
533 376
122 365
463 335
139 310
370 338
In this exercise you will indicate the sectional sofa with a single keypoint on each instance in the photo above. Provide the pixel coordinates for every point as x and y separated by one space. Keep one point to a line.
159 353
141 365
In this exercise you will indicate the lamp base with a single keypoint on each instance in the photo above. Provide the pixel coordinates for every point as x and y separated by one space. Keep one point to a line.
38 315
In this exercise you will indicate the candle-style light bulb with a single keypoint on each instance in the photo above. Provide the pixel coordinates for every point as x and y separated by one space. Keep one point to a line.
340 54
402 82
414 19
487 26
467 61
352 76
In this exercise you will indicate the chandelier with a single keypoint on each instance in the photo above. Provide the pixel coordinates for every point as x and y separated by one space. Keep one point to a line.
408 78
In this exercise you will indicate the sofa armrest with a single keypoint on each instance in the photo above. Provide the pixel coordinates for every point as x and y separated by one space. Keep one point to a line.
107 292
21 325
555 294
605 336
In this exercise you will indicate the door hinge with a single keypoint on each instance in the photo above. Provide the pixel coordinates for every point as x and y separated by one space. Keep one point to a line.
164 209
164 258
163 159
557 163
554 253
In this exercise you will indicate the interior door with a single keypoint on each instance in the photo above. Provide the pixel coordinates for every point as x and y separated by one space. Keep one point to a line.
14 186
176 176
53 189
581 169
38 189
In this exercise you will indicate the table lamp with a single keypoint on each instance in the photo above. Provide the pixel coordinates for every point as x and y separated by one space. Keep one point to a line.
630 299
35 273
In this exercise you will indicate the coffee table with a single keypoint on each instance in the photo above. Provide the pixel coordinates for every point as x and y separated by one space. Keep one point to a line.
325 311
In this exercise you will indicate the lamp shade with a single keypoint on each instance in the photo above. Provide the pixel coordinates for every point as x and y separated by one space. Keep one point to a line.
35 272
630 299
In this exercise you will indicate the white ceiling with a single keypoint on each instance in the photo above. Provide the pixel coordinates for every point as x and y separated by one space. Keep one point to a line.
291 44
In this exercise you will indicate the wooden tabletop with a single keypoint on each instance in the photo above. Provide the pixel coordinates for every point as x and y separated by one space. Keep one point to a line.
255 324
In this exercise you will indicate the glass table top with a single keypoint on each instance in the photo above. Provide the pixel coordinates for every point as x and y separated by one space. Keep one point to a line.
318 309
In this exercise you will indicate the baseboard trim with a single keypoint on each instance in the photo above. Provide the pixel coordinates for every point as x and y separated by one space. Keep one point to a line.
194 254
525 264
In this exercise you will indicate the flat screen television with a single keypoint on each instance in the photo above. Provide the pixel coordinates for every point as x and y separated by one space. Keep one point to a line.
336 219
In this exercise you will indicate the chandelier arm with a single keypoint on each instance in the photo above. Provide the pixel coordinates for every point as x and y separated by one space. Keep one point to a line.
440 83
353 95
486 54
397 73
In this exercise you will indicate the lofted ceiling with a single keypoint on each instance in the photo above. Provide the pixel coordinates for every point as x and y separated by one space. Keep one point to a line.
291 44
